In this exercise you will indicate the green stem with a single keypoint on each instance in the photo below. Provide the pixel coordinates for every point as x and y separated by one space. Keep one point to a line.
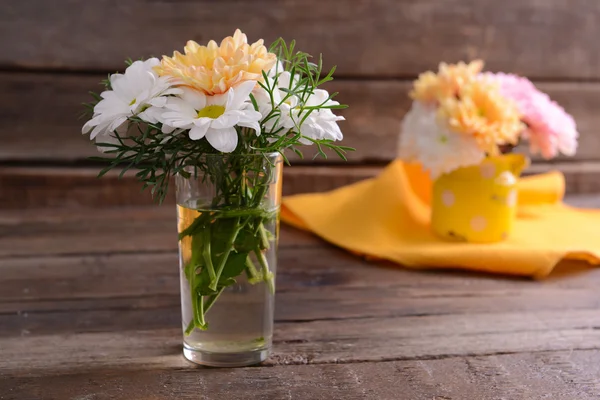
190 327
199 314
245 212
206 254
228 247
212 299
197 304
268 276
253 275
264 239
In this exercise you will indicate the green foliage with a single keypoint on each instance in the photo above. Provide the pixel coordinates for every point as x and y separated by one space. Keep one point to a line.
229 238
158 156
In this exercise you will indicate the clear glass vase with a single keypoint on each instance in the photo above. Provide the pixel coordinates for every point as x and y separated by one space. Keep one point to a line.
228 223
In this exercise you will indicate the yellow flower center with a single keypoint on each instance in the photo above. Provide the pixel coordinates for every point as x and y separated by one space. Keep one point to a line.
132 102
212 112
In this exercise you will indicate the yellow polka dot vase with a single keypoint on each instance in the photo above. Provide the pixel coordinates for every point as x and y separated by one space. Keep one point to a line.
478 204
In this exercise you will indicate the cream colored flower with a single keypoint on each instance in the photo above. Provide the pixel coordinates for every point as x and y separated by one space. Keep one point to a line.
433 88
480 110
213 69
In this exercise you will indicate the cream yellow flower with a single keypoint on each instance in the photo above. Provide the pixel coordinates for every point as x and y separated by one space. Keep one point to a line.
434 88
213 69
478 109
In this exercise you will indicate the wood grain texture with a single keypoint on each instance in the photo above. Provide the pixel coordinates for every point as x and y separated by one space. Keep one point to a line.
41 232
89 313
510 376
31 130
364 38
58 295
104 232
100 310
37 187
317 342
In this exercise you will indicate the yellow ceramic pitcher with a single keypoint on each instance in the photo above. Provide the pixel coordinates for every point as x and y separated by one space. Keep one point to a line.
478 203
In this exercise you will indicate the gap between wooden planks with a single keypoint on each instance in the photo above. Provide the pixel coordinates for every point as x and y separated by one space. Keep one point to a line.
379 38
36 187
34 132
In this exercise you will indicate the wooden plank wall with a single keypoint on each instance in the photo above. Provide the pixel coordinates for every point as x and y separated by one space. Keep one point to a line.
54 52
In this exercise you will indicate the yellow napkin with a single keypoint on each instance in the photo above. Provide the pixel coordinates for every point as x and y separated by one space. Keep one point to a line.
388 217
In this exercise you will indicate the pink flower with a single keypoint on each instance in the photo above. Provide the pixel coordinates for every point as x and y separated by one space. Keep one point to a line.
550 129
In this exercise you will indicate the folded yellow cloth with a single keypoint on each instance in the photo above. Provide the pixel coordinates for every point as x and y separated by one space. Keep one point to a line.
388 217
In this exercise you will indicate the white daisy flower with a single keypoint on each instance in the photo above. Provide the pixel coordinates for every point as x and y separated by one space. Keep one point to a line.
132 92
213 117
430 142
284 102
320 123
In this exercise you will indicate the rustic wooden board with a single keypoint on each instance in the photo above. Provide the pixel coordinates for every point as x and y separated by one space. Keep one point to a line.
83 316
545 39
332 306
31 130
111 231
311 306
317 342
35 187
66 231
50 295
511 376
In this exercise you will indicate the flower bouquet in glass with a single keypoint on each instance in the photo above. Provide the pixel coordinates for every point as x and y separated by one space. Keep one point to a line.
461 127
218 120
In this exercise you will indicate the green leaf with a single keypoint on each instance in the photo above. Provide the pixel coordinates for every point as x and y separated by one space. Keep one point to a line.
234 267
246 240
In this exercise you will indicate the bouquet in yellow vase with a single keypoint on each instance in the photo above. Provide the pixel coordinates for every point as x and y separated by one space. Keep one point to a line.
461 125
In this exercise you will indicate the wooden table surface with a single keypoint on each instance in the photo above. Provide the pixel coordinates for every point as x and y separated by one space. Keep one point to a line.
89 309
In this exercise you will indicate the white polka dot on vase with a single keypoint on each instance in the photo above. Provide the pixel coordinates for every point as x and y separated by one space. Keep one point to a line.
511 198
448 198
488 170
478 223
506 179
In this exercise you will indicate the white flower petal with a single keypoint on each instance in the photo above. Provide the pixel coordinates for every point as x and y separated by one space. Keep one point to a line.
251 124
218 99
224 140
116 123
251 119
132 92
152 114
158 102
241 94
226 120
181 106
88 126
195 99
437 148
199 129
101 129
317 98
